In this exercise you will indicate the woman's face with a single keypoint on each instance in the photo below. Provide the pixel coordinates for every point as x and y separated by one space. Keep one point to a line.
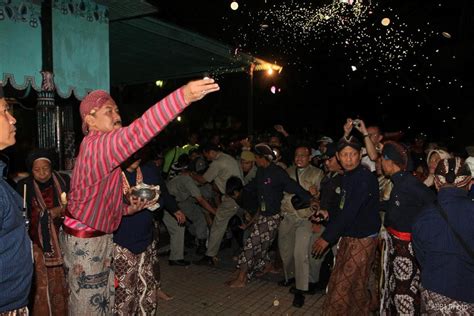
433 163
42 170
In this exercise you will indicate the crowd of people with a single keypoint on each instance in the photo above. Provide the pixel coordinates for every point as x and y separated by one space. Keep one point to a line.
397 218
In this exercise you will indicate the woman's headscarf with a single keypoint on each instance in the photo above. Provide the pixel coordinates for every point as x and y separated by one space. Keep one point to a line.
37 154
429 181
452 171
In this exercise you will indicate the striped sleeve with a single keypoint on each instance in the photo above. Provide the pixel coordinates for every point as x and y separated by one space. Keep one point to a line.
122 143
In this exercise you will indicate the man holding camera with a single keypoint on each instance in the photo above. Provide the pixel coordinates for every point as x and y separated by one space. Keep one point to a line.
295 235
372 140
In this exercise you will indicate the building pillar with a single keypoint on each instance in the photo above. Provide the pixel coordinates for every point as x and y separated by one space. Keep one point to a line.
49 117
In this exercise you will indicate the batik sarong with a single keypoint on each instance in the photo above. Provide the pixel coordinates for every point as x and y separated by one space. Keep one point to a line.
433 303
89 274
136 284
348 288
401 281
255 252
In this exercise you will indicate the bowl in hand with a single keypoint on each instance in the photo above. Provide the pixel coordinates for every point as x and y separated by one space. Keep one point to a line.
144 193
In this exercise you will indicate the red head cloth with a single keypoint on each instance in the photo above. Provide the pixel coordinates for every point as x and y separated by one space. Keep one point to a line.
93 101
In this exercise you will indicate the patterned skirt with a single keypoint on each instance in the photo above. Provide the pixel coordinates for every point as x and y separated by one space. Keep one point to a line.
89 274
436 304
136 284
255 252
401 282
348 288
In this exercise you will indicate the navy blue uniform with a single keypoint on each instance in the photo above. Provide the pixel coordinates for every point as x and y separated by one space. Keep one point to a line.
446 268
268 187
330 193
136 231
408 198
359 207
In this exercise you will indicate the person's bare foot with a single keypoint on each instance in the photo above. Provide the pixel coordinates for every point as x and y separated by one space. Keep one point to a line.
268 268
275 270
235 276
237 283
163 296
228 282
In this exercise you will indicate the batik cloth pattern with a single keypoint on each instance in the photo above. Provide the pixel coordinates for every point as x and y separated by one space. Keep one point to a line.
401 288
136 282
255 252
89 274
436 304
348 288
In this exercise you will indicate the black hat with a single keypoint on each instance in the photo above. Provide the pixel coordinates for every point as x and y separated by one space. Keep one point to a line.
266 151
2 95
350 141
395 152
39 154
331 150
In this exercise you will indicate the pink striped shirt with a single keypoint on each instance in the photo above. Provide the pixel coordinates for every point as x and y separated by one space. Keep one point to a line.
96 197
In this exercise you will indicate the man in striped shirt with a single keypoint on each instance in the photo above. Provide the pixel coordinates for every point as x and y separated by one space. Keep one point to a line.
95 202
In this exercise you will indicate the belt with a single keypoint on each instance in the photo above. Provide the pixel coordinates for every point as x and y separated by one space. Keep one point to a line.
400 235
82 233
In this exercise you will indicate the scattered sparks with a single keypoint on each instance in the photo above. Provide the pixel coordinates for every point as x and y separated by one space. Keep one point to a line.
339 26
371 39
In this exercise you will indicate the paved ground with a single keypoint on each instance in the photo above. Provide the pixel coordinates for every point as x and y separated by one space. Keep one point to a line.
200 290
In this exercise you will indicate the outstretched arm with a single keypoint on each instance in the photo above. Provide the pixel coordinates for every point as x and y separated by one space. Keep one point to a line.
115 147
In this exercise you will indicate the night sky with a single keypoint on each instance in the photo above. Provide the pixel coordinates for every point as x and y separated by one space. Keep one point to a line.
339 60
412 74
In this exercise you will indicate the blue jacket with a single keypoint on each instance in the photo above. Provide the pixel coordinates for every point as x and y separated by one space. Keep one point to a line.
330 192
408 198
446 267
136 231
359 216
16 259
268 187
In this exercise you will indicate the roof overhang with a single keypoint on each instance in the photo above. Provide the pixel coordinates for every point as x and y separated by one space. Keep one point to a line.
145 49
